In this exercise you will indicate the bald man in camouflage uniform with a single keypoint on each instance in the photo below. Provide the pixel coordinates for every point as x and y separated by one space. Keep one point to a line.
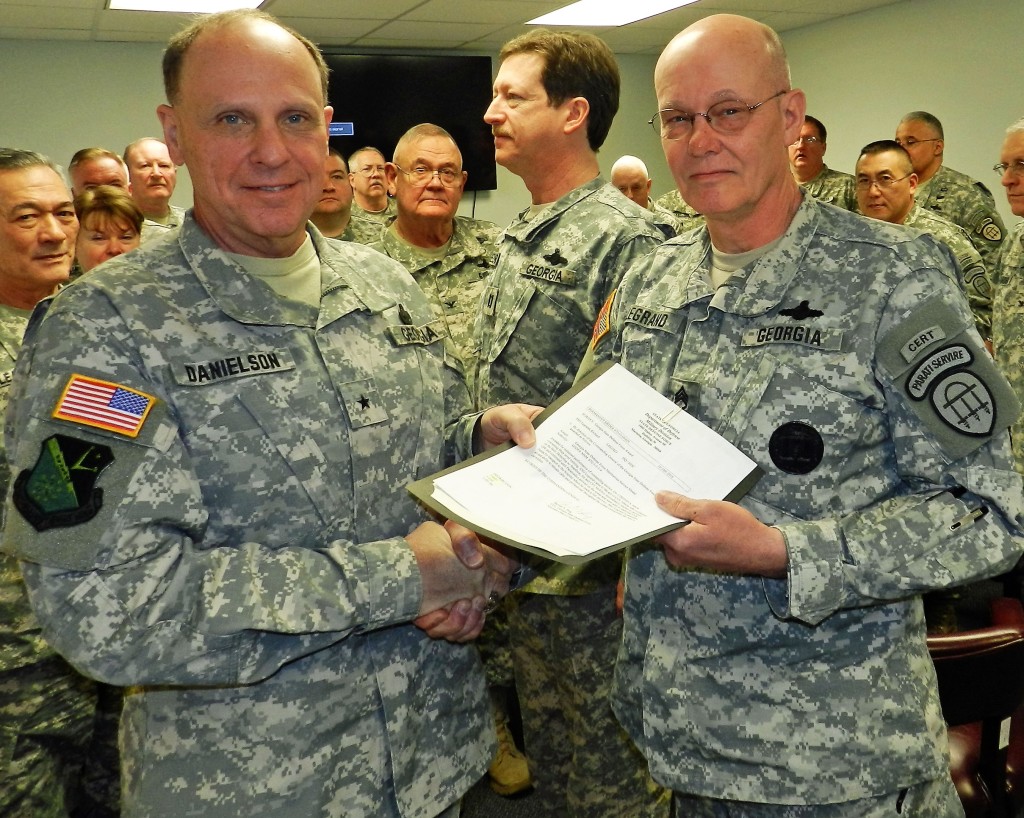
1008 281
557 263
774 659
958 197
236 421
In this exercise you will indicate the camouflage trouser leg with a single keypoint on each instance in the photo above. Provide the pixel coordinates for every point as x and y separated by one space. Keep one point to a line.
582 761
46 721
495 647
930 799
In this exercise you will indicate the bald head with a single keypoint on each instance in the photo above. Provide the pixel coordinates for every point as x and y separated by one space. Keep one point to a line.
728 117
745 41
629 175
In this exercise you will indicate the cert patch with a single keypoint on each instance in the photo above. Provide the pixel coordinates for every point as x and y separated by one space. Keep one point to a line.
60 490
948 379
796 448
103 404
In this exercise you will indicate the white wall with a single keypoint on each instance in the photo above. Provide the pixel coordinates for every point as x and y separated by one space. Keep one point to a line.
962 62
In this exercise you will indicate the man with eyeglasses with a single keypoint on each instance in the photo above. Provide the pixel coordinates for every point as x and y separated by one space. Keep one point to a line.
555 96
886 185
1008 281
807 159
450 256
367 173
958 197
774 660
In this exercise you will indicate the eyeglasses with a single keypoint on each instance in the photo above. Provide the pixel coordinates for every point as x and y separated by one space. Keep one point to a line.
369 170
909 142
727 117
883 182
420 176
1014 168
807 140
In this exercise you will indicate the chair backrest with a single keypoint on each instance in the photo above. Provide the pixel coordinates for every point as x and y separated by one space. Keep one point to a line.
981 681
981 673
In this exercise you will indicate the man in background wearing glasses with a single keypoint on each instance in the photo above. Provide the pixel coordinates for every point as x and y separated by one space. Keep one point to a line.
774 660
886 186
450 256
958 197
1008 281
807 159
366 168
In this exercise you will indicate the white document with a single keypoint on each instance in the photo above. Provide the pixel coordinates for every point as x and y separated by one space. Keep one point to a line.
588 485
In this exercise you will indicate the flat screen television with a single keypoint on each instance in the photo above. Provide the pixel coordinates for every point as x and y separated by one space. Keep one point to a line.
383 95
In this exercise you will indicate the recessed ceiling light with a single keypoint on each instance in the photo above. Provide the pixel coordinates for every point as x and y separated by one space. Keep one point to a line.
182 6
606 12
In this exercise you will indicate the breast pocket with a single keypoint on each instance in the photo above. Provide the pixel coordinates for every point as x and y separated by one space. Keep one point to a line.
537 348
810 437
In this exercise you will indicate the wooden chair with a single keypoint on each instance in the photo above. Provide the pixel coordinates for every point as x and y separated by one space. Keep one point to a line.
981 685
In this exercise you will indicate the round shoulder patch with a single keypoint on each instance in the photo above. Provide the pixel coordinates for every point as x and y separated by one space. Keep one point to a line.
990 230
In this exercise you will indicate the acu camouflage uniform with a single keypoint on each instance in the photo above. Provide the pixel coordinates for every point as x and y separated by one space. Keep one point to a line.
154 231
974 277
454 284
46 707
553 273
834 187
382 217
688 218
1008 325
362 231
242 563
838 362
968 203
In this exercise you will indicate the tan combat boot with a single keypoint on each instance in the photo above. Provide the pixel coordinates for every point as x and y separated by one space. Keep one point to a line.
508 772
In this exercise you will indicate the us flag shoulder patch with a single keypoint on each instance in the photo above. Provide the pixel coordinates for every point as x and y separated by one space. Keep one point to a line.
104 405
602 324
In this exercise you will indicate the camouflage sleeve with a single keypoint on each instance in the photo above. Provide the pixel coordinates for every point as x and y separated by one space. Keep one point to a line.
985 228
138 583
956 513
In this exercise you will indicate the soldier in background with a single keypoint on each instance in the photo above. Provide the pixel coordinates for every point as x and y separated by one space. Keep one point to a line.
958 197
367 173
630 177
333 212
886 185
46 707
240 411
450 256
153 177
807 160
688 218
555 96
1008 281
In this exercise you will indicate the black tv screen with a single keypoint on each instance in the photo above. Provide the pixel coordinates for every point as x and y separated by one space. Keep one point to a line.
383 95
